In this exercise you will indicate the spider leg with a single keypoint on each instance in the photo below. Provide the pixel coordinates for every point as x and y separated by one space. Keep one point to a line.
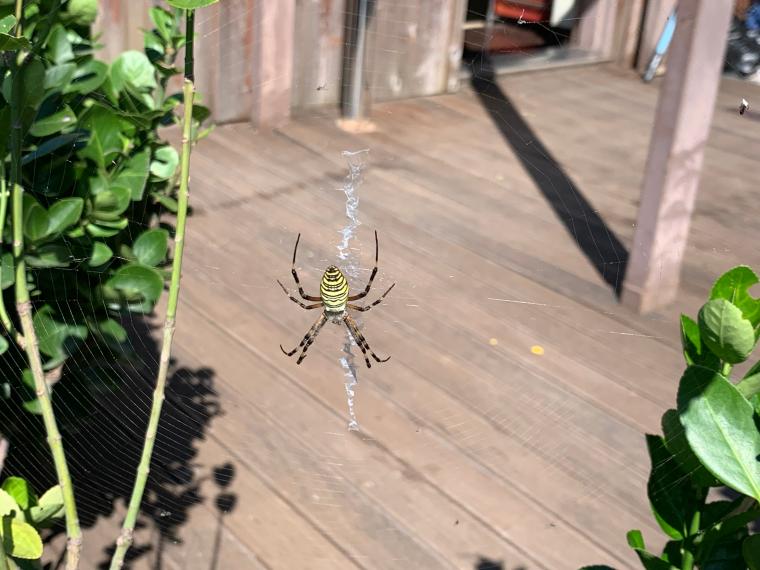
292 298
295 276
361 341
371 277
307 339
368 307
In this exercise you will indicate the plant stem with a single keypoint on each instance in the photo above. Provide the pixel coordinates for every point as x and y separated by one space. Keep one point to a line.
726 370
3 559
125 538
24 308
687 562
5 319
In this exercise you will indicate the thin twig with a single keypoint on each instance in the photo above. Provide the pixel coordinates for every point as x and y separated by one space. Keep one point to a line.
24 308
125 538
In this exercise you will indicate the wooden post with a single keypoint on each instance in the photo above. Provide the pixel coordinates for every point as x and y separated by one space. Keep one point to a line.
273 62
596 28
628 28
682 125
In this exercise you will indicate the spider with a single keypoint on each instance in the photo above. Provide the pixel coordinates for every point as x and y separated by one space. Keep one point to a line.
334 298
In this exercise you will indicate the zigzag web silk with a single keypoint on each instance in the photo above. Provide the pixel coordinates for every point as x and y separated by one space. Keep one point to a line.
350 267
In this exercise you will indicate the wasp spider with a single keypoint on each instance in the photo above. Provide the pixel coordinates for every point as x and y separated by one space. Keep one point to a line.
335 302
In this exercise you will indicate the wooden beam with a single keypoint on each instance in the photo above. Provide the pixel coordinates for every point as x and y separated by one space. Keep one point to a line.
273 62
682 125
596 27
628 28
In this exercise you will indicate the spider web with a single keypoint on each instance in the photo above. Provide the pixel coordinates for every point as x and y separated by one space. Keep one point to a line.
487 441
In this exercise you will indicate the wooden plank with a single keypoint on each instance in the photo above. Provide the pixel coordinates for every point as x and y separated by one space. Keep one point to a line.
682 126
317 62
628 27
595 30
273 62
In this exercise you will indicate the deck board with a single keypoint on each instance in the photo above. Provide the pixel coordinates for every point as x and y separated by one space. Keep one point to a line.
471 446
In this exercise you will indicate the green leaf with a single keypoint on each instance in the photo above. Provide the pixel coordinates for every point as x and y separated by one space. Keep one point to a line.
109 204
34 83
59 48
725 331
750 384
650 561
20 539
151 246
100 231
133 69
12 43
751 551
7 271
36 219
21 491
733 286
112 334
675 441
3 344
57 339
105 136
669 489
101 253
83 12
7 24
49 507
137 282
164 164
88 77
9 506
163 20
64 214
694 350
191 4
54 123
166 201
54 144
49 255
134 175
720 428
58 77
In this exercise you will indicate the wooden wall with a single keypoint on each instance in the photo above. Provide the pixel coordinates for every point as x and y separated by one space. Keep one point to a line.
262 59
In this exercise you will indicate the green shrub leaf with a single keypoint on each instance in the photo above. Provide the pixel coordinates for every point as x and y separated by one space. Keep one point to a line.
36 219
48 508
132 69
83 12
720 428
58 77
3 346
164 164
751 551
678 446
49 255
7 271
151 246
57 339
12 43
101 253
20 539
88 77
64 214
109 204
191 4
21 491
669 489
7 24
733 286
105 136
59 46
648 560
8 505
134 174
694 350
725 331
137 282
54 123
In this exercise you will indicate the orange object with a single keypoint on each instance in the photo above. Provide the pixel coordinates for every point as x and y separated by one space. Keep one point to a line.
527 11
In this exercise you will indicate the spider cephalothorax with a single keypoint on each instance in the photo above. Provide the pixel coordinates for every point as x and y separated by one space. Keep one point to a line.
334 301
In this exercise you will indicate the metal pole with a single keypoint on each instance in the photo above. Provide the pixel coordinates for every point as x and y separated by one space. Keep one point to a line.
355 100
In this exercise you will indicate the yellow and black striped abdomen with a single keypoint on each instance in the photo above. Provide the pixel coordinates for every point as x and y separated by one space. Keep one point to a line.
334 290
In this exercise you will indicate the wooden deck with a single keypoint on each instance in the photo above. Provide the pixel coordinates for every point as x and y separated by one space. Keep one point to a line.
474 452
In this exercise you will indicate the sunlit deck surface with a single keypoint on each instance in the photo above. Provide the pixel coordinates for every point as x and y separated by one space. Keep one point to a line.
473 449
